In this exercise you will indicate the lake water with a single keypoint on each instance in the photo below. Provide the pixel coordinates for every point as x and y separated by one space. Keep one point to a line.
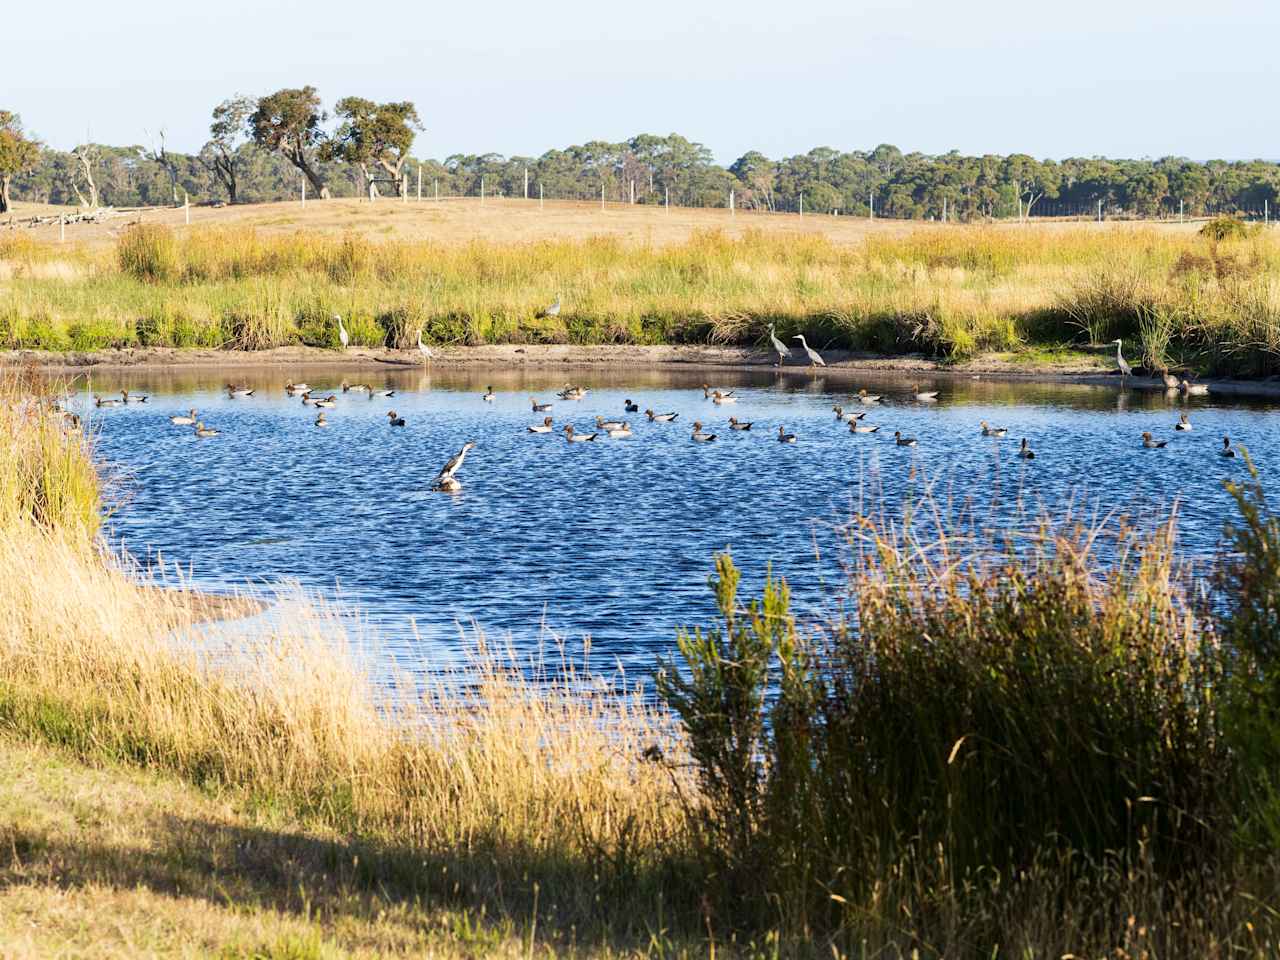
613 539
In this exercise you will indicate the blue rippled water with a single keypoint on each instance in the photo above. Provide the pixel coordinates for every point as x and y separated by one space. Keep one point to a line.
612 540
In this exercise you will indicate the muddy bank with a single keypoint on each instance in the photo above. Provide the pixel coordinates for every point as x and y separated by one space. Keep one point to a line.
1083 366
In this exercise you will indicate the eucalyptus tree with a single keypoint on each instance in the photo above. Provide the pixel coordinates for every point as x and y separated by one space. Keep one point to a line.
19 154
374 134
225 153
291 122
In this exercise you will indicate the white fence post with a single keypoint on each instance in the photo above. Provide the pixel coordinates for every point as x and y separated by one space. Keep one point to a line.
526 183
802 206
602 198
731 203
304 192
482 191
541 205
419 183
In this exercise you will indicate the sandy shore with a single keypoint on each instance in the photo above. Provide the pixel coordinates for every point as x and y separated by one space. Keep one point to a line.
1091 367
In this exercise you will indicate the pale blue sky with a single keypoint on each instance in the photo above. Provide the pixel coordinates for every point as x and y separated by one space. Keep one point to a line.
1117 77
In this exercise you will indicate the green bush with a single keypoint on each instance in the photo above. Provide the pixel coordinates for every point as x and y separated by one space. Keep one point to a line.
1225 228
985 710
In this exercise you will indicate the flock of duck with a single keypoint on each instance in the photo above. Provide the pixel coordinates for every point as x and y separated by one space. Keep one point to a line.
854 413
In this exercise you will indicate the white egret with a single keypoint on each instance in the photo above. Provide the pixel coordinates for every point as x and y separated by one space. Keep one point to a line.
782 349
423 349
342 332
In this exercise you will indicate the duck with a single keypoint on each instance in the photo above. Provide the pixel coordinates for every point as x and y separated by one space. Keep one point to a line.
699 436
355 387
292 388
784 437
603 424
903 441
105 401
708 393
328 402
1183 423
394 419
1151 443
1025 451
864 397
489 395
718 398
321 421
203 431
660 417
1226 450
926 396
237 393
539 407
842 414
571 392
308 400
620 432
736 424
132 398
184 419
576 437
543 427
990 431
1170 381
630 407
447 485
1193 389
858 426
384 393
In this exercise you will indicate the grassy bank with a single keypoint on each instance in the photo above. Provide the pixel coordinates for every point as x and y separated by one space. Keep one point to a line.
1182 299
1020 748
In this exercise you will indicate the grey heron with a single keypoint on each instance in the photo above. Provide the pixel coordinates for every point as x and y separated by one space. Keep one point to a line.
815 359
1125 369
553 310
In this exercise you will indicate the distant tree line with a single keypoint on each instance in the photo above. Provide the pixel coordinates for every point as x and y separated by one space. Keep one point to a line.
264 148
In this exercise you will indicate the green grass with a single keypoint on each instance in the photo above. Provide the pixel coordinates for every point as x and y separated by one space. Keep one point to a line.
950 294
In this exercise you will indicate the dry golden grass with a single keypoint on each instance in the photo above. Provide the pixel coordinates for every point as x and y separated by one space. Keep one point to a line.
505 221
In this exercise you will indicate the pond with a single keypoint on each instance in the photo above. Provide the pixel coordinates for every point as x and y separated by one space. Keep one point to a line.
613 539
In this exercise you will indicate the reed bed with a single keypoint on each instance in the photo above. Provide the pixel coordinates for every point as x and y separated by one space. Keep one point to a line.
946 293
1013 747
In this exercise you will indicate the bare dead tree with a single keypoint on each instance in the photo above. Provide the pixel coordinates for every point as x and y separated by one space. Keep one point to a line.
87 154
165 159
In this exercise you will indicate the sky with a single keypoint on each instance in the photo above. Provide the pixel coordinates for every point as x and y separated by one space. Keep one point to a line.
1121 78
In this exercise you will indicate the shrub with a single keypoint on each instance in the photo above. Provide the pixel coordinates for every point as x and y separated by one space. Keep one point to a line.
148 252
986 709
1225 228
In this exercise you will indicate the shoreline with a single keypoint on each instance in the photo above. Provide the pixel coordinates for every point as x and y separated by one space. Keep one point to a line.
1087 367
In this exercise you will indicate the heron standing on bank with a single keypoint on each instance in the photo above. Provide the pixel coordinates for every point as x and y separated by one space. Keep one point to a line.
423 349
1125 369
815 359
782 349
342 332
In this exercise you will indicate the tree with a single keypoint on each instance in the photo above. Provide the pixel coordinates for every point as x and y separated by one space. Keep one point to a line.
289 121
1032 179
87 155
161 156
228 133
374 133
19 154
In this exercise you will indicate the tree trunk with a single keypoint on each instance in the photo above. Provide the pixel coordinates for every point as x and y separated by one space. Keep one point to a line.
393 170
4 193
